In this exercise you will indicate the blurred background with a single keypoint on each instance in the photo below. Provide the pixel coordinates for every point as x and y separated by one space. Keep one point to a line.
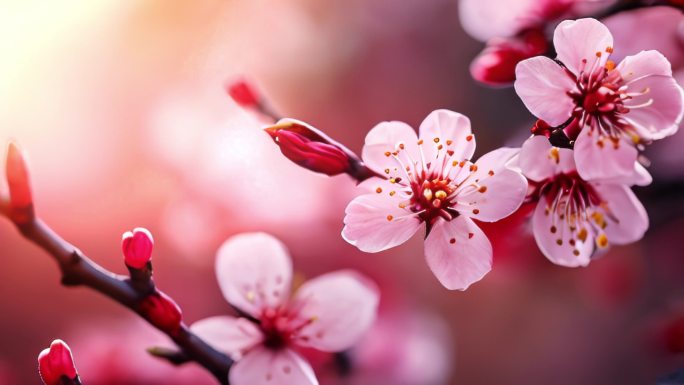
121 109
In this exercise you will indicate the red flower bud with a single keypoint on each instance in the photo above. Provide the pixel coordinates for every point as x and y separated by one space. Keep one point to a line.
55 363
243 93
495 65
310 148
137 247
21 201
162 312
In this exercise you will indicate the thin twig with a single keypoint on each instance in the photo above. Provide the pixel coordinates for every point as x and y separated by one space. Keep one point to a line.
78 270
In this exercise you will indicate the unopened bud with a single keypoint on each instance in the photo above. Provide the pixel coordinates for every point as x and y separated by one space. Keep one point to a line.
243 93
162 312
137 247
21 201
310 148
495 65
56 365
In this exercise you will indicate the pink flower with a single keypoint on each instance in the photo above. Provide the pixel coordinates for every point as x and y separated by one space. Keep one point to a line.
575 217
431 180
616 107
329 313
55 364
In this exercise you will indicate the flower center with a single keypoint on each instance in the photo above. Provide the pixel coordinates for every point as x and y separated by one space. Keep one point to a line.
432 198
577 208
600 97
282 326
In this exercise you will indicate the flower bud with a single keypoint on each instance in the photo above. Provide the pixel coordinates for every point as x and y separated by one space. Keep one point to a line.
310 148
21 201
162 312
56 363
495 65
243 94
137 247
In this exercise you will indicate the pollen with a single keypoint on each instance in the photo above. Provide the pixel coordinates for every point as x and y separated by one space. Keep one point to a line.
436 140
476 211
576 253
441 194
602 241
388 154
471 235
469 137
389 218
582 235
473 167
554 154
420 142
401 146
491 173
378 190
559 242
392 193
387 171
553 229
427 193
452 240
448 142
610 65
599 54
482 189
609 49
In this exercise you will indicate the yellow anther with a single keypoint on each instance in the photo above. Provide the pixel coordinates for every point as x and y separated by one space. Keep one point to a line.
441 194
427 193
602 241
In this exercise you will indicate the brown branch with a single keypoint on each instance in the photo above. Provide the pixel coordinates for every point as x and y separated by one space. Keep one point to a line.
138 294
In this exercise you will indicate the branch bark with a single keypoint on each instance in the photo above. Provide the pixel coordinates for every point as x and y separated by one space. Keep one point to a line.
79 270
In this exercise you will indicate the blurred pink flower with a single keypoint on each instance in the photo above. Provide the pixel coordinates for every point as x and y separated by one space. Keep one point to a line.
328 313
432 180
616 107
574 217
56 363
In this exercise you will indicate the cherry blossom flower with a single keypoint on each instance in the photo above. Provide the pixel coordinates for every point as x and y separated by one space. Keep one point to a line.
329 313
615 108
575 217
431 180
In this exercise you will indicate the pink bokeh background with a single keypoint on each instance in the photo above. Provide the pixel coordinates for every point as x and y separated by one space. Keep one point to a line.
121 109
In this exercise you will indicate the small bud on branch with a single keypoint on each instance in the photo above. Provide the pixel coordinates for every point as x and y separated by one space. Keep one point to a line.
162 312
137 247
310 148
20 200
56 365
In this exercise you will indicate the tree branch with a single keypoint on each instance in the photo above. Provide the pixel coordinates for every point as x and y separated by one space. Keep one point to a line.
78 270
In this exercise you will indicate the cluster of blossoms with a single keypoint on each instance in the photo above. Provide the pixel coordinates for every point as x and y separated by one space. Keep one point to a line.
578 168
595 116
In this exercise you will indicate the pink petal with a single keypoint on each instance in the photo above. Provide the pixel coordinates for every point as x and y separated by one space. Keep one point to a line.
597 157
375 222
543 86
539 160
230 335
254 272
443 131
649 73
548 230
583 39
500 190
341 307
263 366
486 19
640 177
385 139
458 253
632 219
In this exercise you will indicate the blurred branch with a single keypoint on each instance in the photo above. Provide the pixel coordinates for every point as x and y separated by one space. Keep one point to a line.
78 270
